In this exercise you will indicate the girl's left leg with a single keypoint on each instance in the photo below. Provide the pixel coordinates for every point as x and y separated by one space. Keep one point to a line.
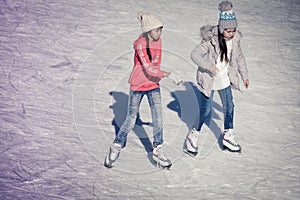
228 107
154 99
158 156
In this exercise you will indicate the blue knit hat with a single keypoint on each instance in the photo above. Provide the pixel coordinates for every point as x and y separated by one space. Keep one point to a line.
227 16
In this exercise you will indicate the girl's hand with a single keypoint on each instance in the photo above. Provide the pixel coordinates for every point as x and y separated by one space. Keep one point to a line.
213 69
166 74
176 78
246 83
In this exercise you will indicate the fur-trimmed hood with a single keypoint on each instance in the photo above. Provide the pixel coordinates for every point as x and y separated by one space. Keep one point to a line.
209 32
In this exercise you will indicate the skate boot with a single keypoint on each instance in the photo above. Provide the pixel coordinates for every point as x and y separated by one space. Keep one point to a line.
159 157
112 156
191 147
229 143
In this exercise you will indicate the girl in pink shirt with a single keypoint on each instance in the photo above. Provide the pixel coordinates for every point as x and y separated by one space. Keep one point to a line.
144 80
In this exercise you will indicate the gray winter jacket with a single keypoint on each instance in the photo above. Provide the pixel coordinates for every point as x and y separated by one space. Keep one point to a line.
206 53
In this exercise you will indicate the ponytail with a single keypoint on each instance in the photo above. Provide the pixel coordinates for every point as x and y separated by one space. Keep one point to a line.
223 47
148 47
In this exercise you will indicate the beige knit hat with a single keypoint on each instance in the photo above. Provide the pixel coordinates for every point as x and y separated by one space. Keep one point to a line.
149 21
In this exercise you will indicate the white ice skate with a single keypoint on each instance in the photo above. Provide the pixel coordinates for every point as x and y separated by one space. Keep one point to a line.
112 156
191 147
229 143
159 157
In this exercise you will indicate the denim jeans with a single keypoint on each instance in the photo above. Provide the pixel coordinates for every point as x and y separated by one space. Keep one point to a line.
134 102
228 108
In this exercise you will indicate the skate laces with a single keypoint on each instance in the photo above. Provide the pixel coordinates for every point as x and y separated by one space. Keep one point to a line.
193 136
115 151
160 154
228 135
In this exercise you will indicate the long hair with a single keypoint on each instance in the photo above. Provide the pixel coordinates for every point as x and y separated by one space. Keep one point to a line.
148 47
223 47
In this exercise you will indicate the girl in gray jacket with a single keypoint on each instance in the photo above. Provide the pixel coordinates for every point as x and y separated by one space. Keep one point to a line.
220 62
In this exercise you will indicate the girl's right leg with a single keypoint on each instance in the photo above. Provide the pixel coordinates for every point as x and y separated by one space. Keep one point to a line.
191 146
205 110
120 140
134 102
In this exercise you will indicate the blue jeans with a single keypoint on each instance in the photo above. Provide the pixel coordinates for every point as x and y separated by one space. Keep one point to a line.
206 108
134 102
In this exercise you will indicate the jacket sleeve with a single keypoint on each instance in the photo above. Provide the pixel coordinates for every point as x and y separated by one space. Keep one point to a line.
200 56
148 66
241 62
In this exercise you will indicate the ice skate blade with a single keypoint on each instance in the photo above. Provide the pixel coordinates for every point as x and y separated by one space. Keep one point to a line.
225 148
190 153
167 167
106 164
159 165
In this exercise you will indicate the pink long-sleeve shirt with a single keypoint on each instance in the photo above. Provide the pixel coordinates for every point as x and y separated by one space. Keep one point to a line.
146 74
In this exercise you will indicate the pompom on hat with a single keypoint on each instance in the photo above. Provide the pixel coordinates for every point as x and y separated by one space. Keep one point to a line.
149 21
227 16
